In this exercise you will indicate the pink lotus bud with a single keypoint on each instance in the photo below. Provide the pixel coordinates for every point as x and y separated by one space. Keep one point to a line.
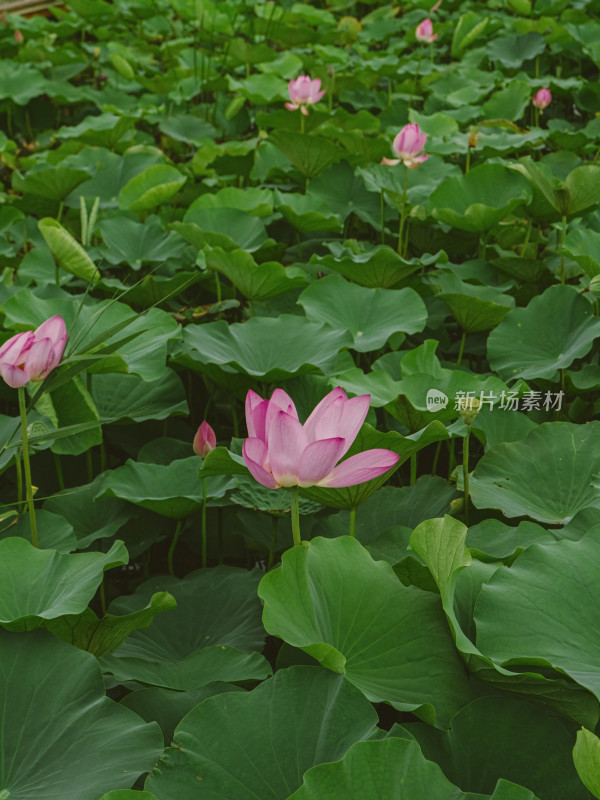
542 98
424 32
204 440
32 355
280 451
409 143
19 38
435 7
304 92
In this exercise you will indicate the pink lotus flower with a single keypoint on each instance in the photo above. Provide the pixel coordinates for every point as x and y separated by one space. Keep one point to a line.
280 451
204 440
304 92
407 145
542 98
32 355
424 32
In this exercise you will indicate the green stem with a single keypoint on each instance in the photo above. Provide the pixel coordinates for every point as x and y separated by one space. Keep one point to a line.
353 522
436 457
203 522
295 516
103 597
382 218
563 233
59 472
218 286
89 466
468 164
273 545
413 469
461 348
19 480
527 236
302 122
403 212
27 465
414 88
171 552
60 211
466 472
451 457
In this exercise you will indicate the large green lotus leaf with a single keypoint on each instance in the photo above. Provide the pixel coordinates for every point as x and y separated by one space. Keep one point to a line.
254 281
502 425
228 228
583 187
420 182
135 243
54 531
215 606
105 323
371 316
583 246
508 103
171 490
127 397
109 172
498 737
534 477
553 197
475 308
210 664
533 611
51 687
67 251
368 439
586 757
20 82
72 404
354 616
309 153
307 213
494 539
132 794
52 182
253 200
345 193
387 768
556 327
102 636
260 744
479 200
511 51
101 130
90 519
40 585
187 128
374 267
382 388
469 27
152 187
271 348
169 707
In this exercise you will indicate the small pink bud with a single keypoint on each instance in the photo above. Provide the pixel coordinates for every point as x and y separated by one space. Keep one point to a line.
424 32
204 440
542 98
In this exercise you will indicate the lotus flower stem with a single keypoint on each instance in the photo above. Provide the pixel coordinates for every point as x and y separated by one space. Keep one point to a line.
436 458
451 457
403 212
28 485
466 472
352 530
413 469
295 511
59 472
527 237
302 123
273 545
19 479
563 233
461 348
203 522
414 88
176 536
382 218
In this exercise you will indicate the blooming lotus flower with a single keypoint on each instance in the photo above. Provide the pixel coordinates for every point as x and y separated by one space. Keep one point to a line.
32 355
204 440
280 451
407 144
542 98
424 32
304 92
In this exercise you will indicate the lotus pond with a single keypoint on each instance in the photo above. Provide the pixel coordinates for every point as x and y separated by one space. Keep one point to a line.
299 434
